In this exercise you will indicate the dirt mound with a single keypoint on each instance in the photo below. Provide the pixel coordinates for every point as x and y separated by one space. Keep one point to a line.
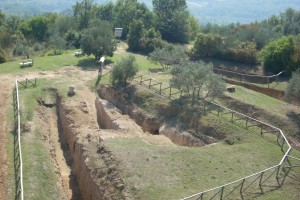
92 163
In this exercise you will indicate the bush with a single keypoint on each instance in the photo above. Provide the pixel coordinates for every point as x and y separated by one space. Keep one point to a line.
2 56
123 71
277 55
293 89
245 53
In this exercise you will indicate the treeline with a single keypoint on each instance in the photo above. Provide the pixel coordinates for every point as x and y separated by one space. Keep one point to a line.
273 42
144 30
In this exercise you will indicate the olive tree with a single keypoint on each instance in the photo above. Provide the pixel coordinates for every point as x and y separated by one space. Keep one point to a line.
123 71
97 39
198 79
168 56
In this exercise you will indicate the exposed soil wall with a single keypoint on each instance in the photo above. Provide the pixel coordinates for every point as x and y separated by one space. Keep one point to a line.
147 123
267 91
96 181
185 138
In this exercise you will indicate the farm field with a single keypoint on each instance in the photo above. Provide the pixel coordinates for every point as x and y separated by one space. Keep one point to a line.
150 166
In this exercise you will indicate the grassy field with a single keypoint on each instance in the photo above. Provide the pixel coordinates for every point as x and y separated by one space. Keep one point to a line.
40 178
262 101
183 171
154 172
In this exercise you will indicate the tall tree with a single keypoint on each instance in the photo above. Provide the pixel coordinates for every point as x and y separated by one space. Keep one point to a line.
97 39
135 35
206 45
277 55
125 11
172 19
83 12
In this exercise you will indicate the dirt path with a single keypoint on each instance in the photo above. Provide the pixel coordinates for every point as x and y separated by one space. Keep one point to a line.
7 83
5 95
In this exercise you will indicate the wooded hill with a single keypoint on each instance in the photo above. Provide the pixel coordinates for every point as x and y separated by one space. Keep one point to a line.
213 11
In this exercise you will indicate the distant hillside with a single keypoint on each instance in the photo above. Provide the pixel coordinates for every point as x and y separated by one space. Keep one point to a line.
213 11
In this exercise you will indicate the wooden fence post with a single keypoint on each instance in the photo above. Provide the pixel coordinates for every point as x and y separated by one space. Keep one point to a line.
160 89
260 180
241 189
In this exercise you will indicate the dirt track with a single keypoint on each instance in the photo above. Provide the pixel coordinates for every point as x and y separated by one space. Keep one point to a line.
6 86
5 91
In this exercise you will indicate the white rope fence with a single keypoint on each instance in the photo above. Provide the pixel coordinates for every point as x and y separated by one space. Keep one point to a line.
19 143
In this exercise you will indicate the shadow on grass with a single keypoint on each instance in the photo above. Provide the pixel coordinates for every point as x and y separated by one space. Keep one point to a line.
88 64
295 117
91 63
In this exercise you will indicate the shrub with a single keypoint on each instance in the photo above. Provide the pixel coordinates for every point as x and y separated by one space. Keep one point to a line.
277 55
123 71
2 56
293 89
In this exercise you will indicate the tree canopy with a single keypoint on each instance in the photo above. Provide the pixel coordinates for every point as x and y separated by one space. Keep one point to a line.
197 77
123 71
97 39
277 55
168 56
172 20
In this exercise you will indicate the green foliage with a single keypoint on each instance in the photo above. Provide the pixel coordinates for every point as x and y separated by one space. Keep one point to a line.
206 45
293 88
124 70
105 12
197 77
277 55
151 41
97 39
244 52
125 11
194 27
37 27
72 38
168 56
2 56
172 20
83 12
21 48
135 35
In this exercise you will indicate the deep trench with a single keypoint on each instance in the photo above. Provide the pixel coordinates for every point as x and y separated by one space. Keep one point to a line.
60 149
73 185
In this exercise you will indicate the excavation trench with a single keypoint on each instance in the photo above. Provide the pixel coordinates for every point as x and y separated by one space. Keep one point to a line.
58 146
86 167
117 103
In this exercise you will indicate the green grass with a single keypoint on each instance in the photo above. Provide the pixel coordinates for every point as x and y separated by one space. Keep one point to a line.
49 63
39 177
173 172
162 172
262 101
